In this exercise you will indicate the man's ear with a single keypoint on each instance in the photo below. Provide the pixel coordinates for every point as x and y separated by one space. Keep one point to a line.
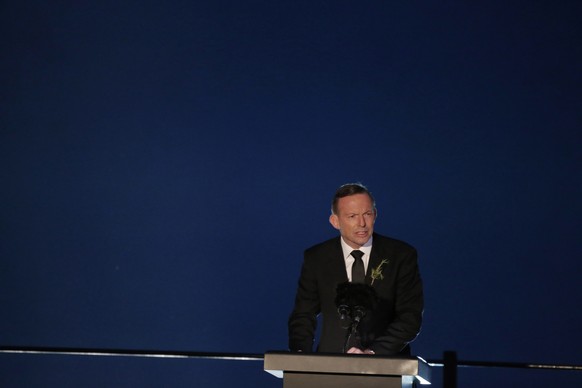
334 221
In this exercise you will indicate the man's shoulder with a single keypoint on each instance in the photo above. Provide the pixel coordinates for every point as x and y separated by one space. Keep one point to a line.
325 246
390 241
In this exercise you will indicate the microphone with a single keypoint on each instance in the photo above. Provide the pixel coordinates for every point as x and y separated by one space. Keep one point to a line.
354 301
358 313
352 297
344 313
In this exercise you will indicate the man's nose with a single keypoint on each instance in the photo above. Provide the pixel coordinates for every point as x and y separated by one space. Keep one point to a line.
361 221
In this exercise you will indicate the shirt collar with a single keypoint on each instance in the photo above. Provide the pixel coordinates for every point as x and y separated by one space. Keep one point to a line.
366 248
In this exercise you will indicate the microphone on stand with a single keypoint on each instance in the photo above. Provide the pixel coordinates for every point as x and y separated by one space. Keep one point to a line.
354 301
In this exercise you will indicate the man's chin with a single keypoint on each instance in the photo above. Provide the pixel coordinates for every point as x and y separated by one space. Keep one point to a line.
361 240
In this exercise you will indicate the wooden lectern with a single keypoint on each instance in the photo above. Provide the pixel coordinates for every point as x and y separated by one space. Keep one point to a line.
319 370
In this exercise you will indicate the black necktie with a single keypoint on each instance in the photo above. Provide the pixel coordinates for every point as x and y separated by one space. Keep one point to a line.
358 271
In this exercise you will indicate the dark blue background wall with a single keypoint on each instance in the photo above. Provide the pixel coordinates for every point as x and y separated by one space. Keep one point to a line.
164 164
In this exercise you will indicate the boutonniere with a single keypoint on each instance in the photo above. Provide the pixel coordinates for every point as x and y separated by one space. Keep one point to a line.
377 272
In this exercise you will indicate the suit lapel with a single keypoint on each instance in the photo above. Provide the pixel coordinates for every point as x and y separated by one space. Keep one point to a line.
338 267
375 260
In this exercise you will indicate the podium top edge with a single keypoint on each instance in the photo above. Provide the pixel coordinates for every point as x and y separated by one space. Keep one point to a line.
344 355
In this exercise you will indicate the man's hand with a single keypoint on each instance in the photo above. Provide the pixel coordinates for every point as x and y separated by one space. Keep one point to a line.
355 350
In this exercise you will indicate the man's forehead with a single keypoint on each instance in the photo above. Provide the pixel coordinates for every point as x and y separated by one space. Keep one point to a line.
356 198
356 201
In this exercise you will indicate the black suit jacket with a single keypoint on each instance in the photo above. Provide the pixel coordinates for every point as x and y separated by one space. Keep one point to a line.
389 328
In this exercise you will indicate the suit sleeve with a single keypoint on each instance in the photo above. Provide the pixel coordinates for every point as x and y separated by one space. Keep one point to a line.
408 309
303 319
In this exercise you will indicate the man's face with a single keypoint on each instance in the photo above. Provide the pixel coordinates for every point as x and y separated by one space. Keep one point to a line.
354 219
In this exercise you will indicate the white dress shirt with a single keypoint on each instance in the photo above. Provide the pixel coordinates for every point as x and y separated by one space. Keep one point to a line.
349 259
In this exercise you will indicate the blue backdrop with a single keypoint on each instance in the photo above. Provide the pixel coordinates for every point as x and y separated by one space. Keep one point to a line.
165 164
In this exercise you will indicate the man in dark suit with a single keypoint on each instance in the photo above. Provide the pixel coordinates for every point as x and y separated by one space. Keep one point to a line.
389 266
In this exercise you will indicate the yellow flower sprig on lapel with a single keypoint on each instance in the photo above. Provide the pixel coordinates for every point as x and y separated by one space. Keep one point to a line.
377 272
